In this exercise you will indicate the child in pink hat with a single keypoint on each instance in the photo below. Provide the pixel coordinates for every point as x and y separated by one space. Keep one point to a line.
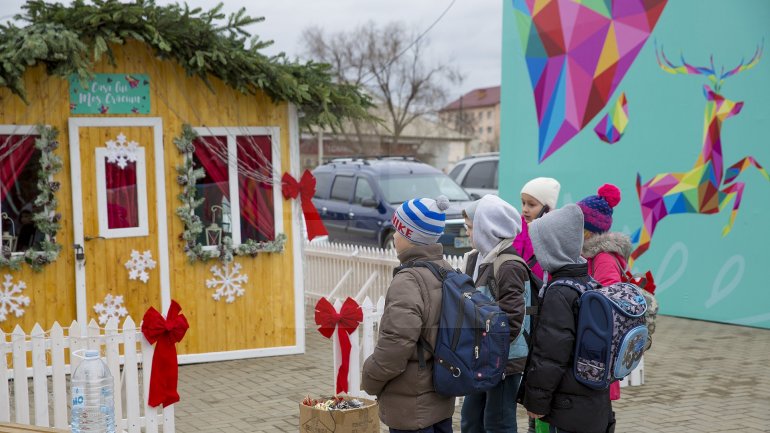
606 252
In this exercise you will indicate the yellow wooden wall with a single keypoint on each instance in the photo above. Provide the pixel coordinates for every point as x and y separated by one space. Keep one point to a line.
264 316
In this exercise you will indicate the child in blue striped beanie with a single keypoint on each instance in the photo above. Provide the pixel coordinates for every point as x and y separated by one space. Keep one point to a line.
421 221
407 397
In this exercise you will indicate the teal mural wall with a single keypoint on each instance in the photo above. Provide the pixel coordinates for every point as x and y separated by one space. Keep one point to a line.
699 273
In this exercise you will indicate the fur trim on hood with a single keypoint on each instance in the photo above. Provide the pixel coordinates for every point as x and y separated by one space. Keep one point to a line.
610 242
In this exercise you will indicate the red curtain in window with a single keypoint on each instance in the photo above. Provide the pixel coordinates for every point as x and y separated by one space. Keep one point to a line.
122 199
256 198
13 161
210 151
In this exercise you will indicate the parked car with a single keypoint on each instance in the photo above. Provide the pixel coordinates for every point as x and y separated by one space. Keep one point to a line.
477 174
356 199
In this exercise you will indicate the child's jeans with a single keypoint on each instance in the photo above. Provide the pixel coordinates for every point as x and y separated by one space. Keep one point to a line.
444 426
492 411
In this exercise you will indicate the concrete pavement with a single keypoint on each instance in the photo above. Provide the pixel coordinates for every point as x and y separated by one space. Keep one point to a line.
700 377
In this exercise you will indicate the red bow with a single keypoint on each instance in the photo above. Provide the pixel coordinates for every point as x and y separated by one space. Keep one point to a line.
345 322
304 189
646 282
165 369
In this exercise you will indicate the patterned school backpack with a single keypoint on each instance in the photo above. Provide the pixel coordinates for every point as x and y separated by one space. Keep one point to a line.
611 331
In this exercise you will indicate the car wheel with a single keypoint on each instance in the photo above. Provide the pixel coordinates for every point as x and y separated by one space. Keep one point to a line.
389 243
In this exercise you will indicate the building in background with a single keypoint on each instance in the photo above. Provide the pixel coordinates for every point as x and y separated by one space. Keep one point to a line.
477 114
425 139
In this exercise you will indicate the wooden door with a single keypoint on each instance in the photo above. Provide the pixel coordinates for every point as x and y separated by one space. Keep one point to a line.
120 217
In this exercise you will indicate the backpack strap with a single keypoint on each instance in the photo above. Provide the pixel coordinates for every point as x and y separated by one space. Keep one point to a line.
502 258
440 274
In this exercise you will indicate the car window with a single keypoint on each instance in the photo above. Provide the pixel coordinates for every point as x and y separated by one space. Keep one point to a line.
480 175
402 188
456 171
363 191
342 188
322 183
496 175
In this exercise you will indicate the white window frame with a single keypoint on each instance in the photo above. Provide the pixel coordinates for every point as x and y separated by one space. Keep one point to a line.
20 130
231 133
141 196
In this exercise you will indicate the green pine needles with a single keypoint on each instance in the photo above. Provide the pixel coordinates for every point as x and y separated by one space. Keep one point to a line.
70 39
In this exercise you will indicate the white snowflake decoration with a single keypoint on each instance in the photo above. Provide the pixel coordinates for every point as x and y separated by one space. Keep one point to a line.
121 152
112 307
228 282
138 265
11 298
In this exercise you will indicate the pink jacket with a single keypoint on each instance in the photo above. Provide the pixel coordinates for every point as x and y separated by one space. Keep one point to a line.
523 244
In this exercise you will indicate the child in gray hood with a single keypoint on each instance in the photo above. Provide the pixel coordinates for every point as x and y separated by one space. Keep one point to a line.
551 392
501 274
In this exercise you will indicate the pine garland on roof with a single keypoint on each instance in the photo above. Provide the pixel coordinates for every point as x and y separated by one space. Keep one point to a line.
70 39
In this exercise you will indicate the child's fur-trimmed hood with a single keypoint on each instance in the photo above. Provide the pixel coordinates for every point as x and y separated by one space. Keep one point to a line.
610 242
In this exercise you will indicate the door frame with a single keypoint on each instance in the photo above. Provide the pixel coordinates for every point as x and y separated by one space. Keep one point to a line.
156 123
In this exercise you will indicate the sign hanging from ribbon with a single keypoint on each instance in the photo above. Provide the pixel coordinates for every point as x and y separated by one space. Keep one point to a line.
346 321
304 189
165 369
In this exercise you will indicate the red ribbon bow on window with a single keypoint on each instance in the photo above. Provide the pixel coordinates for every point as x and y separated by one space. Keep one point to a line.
165 369
304 189
346 321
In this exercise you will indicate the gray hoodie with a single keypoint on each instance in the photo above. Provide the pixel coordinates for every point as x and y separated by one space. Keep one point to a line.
557 238
493 220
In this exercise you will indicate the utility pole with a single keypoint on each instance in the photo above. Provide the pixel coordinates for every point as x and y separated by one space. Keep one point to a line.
320 146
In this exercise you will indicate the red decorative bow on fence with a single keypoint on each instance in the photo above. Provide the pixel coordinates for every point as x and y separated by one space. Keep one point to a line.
327 318
304 189
165 369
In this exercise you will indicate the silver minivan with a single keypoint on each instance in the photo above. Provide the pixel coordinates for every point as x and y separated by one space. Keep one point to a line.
477 174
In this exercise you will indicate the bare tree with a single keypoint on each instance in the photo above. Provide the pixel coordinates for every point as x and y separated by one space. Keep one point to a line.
390 62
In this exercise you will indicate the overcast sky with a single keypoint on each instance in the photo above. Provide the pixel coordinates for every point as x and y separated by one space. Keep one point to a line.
469 34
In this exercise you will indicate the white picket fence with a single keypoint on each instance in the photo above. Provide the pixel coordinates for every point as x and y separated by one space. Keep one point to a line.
118 346
338 271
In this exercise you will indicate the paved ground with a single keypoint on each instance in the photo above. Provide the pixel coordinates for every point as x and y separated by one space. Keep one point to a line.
700 377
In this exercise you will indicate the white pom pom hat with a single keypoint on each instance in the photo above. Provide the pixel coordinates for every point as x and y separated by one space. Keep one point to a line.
421 220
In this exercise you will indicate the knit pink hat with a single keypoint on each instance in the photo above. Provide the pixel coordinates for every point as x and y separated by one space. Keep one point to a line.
597 209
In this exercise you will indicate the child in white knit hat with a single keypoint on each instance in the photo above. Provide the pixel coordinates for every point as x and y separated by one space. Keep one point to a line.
538 197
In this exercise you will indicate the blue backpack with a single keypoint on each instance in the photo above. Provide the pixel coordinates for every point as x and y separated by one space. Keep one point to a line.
472 342
611 332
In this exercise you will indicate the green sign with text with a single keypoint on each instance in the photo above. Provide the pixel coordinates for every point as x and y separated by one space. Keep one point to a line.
110 94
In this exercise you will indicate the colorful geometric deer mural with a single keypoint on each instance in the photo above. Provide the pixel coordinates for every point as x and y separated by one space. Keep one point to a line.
703 189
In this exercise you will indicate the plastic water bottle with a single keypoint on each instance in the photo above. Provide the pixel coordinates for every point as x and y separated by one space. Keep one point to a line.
93 407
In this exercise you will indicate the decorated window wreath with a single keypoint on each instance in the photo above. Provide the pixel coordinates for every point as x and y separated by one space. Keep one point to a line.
187 176
46 219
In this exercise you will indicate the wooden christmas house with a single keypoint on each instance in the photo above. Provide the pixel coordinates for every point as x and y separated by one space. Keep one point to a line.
141 153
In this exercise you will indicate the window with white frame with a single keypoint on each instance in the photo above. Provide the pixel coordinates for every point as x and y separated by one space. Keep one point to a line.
19 165
239 190
121 188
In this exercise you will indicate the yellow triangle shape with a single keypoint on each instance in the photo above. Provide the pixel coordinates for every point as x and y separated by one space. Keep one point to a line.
610 53
539 5
689 181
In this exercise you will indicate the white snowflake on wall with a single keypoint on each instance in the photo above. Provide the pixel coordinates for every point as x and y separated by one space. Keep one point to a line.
111 307
138 265
121 152
11 299
228 282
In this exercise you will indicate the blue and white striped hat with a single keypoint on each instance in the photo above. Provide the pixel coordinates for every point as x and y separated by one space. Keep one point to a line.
421 220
